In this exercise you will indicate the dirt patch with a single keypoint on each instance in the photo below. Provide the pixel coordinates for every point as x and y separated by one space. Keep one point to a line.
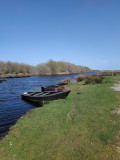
116 87
117 111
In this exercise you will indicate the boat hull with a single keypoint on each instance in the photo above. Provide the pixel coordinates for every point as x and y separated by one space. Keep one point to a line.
53 87
47 96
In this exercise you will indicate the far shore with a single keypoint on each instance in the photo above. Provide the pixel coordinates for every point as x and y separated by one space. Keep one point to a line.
20 75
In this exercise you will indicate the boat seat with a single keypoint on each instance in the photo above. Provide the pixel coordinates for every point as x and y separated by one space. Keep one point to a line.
37 94
44 94
31 94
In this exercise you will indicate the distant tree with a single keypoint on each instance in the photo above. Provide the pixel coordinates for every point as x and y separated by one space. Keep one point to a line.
43 69
2 65
53 67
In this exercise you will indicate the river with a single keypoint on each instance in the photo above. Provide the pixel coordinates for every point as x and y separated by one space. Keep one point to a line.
12 107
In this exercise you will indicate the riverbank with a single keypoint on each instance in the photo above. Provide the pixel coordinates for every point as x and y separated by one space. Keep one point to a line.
5 76
20 75
81 126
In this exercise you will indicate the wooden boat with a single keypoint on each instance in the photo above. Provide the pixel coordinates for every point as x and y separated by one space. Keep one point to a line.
62 83
40 97
17 76
49 88
1 80
52 87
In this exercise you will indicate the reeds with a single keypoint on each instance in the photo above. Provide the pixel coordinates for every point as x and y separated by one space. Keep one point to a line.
94 79
67 80
110 73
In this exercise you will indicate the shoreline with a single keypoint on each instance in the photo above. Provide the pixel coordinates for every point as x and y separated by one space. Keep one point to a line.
29 75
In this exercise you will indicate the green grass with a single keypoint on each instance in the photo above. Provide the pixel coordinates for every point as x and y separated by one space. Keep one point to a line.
80 127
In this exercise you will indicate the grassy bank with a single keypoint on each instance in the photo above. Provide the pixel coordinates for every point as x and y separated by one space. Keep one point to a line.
80 127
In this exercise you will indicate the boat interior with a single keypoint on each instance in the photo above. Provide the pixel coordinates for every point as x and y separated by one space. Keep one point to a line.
39 93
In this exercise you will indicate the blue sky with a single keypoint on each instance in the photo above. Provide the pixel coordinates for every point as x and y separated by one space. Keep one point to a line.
83 32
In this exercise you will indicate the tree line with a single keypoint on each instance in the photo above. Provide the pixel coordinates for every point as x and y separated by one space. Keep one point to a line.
49 68
53 68
14 68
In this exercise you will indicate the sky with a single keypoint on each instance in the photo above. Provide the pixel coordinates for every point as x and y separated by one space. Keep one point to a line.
83 32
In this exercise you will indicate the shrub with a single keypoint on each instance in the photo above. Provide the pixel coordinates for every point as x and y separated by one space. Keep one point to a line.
94 79
67 80
81 77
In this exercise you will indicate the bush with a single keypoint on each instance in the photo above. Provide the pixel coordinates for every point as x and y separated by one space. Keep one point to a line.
81 77
94 79
67 80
